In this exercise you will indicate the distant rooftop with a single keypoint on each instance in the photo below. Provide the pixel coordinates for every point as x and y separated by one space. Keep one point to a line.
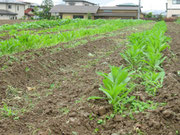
74 9
119 8
79 1
128 5
5 12
12 2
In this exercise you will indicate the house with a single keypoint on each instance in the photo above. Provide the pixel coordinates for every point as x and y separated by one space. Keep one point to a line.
6 15
123 11
82 9
73 9
29 13
73 12
30 9
173 8
78 3
10 9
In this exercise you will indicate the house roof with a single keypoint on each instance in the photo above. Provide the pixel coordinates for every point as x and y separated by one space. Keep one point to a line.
128 5
74 9
79 1
11 2
6 12
119 8
117 14
28 10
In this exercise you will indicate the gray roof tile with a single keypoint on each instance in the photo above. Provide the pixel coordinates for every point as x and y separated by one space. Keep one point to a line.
6 12
119 8
74 9
117 14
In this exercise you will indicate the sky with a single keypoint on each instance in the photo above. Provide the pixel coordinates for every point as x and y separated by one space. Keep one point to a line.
148 5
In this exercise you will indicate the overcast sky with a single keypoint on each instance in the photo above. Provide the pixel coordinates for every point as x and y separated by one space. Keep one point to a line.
147 4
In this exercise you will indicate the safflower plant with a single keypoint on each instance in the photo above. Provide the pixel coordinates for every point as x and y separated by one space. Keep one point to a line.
114 85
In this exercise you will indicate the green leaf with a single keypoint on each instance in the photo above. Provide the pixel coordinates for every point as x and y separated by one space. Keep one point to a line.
94 98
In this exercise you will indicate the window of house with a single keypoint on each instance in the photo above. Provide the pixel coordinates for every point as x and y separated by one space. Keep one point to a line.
86 4
176 1
72 3
9 6
108 11
17 8
176 15
78 16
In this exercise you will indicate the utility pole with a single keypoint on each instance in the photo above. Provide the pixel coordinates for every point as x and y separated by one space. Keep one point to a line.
139 10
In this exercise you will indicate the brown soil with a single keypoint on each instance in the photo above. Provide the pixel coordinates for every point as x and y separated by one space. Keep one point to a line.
2 22
50 88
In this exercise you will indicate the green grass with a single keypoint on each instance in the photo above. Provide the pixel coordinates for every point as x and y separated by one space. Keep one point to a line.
178 21
34 25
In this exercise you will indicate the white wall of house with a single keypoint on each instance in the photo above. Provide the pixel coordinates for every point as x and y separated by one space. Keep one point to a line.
171 5
173 13
7 17
4 17
3 6
16 8
173 9
28 5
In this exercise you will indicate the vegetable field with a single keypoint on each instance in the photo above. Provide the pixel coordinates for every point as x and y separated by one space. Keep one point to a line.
88 77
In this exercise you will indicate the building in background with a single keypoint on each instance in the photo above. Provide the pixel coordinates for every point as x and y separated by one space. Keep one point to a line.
78 3
173 8
123 11
12 9
83 9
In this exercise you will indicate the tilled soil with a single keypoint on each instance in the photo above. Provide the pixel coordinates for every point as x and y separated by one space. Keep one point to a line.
2 22
50 90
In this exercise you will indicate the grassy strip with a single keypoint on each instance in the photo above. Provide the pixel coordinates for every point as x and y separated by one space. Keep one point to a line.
28 41
144 62
178 21
73 25
34 25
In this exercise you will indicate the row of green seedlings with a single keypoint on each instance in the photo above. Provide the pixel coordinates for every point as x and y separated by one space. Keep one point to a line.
67 25
144 62
178 21
34 24
28 41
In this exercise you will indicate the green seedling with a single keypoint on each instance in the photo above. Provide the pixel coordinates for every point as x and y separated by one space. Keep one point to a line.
7 111
64 110
96 130
27 69
114 85
52 86
100 121
153 81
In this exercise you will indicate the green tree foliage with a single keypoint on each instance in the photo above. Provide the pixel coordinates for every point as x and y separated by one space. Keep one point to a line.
46 7
149 15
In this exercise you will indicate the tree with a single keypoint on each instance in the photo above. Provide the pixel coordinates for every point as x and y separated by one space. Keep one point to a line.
46 7
149 15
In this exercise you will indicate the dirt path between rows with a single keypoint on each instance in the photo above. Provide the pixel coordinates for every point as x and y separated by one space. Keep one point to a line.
50 90
2 22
